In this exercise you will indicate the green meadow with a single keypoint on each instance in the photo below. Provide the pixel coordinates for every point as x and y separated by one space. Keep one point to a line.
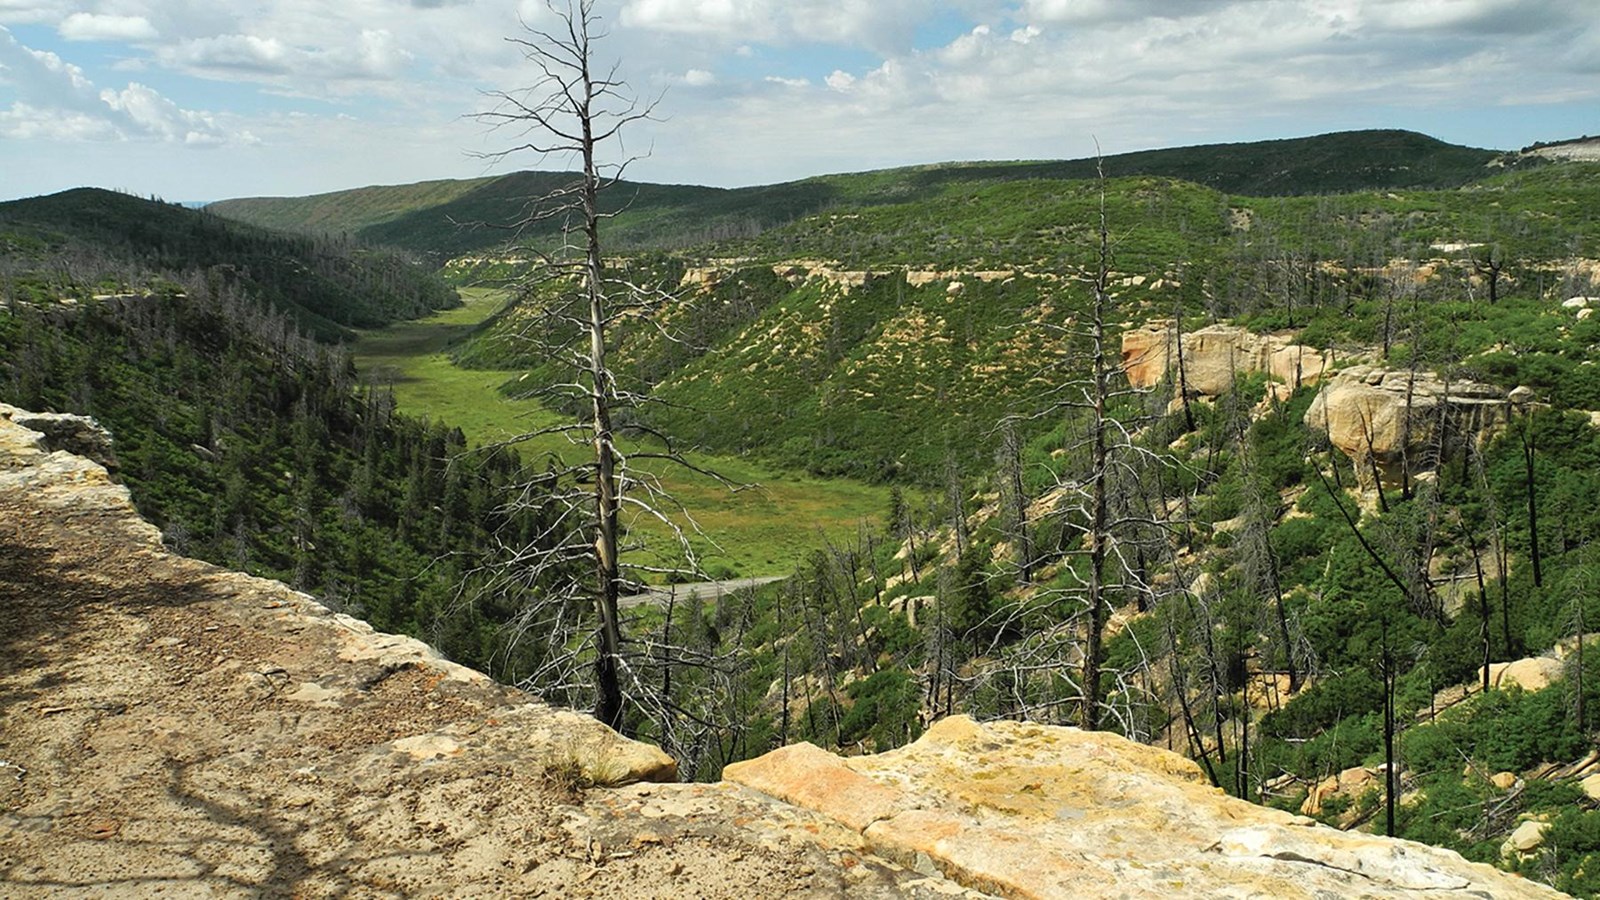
763 529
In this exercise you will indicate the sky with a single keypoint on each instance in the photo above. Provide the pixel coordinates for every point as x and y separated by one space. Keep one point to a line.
195 100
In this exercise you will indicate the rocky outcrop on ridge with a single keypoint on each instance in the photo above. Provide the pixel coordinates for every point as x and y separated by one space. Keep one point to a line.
170 727
1214 356
1395 423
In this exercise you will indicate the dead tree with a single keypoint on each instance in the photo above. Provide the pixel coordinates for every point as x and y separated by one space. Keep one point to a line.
577 110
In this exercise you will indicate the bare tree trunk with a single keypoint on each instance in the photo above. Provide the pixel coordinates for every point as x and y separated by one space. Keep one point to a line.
1183 369
1528 450
1390 776
1011 472
1483 612
608 705
1099 499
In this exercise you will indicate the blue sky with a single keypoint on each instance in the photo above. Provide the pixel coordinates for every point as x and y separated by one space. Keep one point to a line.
206 99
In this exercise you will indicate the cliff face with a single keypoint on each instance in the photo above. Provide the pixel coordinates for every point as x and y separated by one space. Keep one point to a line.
1394 423
168 725
1214 355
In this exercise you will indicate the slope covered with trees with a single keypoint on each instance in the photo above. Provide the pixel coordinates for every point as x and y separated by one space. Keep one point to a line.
448 219
240 435
86 242
1265 602
1200 565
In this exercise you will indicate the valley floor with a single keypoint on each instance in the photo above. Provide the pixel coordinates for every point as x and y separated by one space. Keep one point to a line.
762 530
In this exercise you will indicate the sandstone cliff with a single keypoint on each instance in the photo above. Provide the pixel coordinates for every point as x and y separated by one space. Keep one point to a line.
170 727
1214 355
1394 424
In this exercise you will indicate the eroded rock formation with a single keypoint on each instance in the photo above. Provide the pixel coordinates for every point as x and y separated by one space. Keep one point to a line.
1028 810
1214 356
168 726
1395 423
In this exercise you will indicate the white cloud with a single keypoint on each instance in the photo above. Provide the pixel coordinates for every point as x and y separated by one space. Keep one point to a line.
792 87
27 12
82 26
25 122
877 24
373 55
57 100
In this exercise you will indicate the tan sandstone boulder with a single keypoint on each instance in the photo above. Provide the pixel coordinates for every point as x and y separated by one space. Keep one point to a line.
1388 420
1025 810
1526 839
1213 356
1531 674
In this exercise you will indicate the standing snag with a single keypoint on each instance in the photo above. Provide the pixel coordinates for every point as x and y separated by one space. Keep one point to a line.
574 112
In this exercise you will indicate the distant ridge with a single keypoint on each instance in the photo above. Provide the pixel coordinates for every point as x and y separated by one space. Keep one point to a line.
435 217
325 286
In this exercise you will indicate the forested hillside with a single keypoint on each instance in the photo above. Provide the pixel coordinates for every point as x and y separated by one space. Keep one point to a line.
87 242
449 219
1304 485
883 341
240 435
1307 575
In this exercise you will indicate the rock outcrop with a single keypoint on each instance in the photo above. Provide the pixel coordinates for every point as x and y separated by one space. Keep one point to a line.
1028 810
1394 423
170 727
1534 673
1214 356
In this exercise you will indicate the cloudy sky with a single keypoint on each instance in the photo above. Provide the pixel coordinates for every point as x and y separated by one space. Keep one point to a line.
206 99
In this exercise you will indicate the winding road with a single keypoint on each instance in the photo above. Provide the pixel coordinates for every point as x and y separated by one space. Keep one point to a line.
705 590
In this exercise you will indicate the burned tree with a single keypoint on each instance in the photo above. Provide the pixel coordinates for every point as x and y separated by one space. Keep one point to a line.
576 112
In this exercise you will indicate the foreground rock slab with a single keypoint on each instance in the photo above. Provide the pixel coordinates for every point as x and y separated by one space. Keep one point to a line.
171 728
1026 810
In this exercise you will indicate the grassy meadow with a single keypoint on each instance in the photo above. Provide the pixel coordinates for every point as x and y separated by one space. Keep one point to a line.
761 530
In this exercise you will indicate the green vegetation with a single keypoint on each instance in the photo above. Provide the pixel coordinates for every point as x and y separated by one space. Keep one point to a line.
763 530
424 217
86 242
1268 607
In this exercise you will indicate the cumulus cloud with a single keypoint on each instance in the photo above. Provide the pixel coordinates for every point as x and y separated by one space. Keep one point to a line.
57 100
372 54
1034 78
877 24
772 88
19 12
82 26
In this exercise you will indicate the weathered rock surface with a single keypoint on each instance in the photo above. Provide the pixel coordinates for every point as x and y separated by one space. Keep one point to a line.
168 727
1350 784
1396 423
1034 811
1526 839
1215 355
1533 673
77 435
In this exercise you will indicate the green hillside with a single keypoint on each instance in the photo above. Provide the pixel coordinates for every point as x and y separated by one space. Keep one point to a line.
87 241
343 211
1309 620
447 219
962 301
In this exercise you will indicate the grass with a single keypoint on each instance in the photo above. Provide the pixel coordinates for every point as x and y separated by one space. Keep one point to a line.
763 530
